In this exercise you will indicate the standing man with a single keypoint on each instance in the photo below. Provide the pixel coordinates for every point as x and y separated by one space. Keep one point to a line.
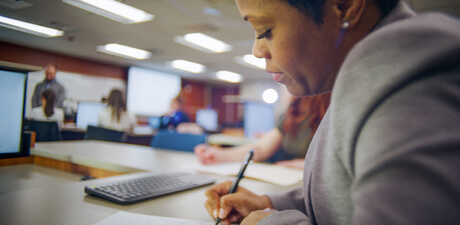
49 83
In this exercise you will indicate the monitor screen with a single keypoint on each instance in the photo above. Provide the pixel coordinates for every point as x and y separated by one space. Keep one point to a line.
208 119
154 122
258 118
12 99
88 113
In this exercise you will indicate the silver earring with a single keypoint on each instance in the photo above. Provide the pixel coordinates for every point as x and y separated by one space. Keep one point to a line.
345 24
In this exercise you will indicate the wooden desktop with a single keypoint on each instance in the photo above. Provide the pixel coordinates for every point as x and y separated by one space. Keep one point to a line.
66 202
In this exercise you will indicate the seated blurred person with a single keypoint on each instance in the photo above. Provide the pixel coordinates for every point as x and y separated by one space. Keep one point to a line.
115 116
47 111
176 114
286 144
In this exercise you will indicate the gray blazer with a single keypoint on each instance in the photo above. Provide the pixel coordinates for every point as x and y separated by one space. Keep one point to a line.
388 149
55 86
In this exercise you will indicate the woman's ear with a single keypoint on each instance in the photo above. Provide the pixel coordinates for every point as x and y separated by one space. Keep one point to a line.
349 11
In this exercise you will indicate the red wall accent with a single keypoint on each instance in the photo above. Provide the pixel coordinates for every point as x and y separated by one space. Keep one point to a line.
193 93
18 54
228 112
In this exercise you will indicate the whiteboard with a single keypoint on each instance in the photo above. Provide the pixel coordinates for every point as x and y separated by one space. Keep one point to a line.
150 92
78 87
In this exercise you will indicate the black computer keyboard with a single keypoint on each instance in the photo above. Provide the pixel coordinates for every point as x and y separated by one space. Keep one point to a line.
152 185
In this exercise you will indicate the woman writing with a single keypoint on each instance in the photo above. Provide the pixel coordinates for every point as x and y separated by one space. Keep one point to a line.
387 149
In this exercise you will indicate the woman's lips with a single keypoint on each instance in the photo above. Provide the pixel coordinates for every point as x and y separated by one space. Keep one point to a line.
277 77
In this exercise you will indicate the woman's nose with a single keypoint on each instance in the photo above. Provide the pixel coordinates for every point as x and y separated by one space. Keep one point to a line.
259 50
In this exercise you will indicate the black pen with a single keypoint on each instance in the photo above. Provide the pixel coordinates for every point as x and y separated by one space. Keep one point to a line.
239 176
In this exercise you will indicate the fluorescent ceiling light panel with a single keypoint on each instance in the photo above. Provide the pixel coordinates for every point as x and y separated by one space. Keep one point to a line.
112 9
203 42
229 76
29 27
124 51
211 11
188 66
252 60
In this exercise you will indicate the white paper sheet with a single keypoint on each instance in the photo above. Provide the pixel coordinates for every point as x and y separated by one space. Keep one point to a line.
275 174
126 218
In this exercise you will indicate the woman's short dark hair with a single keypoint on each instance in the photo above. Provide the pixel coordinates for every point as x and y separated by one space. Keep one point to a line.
314 8
386 6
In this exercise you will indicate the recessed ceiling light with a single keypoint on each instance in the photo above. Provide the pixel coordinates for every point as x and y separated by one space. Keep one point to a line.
229 76
203 42
29 27
270 96
124 51
112 9
188 66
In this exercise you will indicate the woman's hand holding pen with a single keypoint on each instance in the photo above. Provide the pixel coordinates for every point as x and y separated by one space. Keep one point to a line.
234 207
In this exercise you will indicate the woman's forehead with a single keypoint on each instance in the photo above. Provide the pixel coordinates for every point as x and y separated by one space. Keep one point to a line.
259 12
250 8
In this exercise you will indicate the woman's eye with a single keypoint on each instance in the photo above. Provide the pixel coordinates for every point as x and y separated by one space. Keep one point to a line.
266 34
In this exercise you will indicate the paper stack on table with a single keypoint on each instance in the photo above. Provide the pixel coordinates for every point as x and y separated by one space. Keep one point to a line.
125 218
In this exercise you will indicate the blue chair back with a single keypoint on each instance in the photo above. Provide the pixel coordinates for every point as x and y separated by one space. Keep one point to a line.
177 141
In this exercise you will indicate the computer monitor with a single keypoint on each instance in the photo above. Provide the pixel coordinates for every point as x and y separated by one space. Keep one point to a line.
208 119
12 98
258 118
154 122
88 113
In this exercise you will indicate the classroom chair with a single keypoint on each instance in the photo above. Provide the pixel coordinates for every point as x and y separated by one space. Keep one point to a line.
104 134
44 130
177 141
